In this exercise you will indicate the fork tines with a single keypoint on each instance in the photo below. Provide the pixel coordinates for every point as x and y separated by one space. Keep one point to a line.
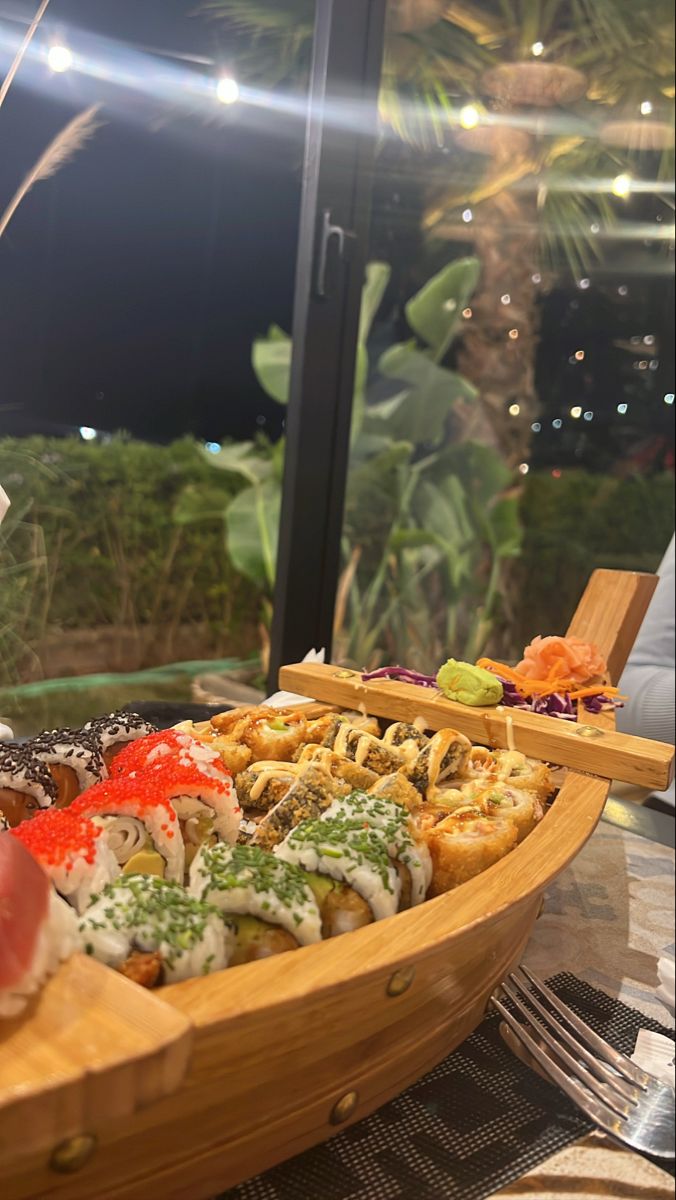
625 1101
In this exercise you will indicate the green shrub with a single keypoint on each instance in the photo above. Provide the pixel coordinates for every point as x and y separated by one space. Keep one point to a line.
92 540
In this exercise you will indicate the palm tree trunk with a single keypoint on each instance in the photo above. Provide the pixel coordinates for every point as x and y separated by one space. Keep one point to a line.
500 341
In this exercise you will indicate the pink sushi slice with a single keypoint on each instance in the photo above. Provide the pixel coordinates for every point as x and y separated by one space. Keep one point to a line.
37 928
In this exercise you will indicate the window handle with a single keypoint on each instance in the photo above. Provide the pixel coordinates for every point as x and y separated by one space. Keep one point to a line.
344 239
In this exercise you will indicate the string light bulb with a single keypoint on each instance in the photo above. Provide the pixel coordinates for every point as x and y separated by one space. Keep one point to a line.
514 410
669 398
579 355
557 423
87 433
227 90
621 186
523 468
622 408
537 49
59 59
468 216
576 412
506 299
469 116
467 313
513 333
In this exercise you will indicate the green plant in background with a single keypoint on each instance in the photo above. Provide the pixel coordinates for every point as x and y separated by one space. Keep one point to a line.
427 529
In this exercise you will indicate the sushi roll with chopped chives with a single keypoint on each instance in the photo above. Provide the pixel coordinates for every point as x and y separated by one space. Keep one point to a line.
115 731
153 932
74 759
464 844
349 870
444 755
26 784
267 901
37 928
400 834
308 798
142 827
72 850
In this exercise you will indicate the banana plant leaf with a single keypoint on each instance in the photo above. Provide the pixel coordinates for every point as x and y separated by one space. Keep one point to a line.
252 527
435 313
419 413
243 458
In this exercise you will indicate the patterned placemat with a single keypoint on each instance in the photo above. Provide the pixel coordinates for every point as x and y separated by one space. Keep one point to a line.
478 1121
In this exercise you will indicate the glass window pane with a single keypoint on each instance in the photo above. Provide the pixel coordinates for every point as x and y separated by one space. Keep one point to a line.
518 422
147 277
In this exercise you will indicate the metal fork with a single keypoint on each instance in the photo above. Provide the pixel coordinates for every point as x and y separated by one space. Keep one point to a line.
627 1103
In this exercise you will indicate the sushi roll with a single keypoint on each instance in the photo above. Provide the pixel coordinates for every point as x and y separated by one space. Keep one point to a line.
524 809
368 751
307 799
234 755
205 801
142 827
398 788
26 784
167 743
264 784
510 767
355 720
464 844
336 765
444 755
152 931
400 834
74 759
113 732
37 928
72 850
349 870
406 737
269 902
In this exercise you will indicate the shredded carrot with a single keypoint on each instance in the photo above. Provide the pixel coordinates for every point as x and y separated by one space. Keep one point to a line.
544 687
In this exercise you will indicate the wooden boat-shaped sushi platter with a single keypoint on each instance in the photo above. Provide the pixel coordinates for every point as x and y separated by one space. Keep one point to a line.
111 1091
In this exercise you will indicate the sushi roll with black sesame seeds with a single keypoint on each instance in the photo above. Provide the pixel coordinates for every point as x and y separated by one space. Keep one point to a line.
349 869
267 901
153 932
26 784
74 759
116 730
307 798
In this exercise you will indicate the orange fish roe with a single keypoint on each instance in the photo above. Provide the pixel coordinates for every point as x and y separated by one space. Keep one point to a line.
114 795
135 756
57 836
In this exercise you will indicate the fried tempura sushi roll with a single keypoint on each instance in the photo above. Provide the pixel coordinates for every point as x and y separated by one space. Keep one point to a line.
26 784
264 784
407 738
368 751
153 932
398 788
524 809
115 731
72 850
355 720
465 844
74 759
444 755
308 798
349 870
142 827
336 765
267 901
400 834
510 767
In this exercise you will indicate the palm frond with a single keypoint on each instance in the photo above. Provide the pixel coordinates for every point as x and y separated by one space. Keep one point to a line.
60 151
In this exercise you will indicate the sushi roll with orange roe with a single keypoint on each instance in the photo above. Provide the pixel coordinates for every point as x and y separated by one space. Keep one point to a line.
141 825
72 850
165 744
204 799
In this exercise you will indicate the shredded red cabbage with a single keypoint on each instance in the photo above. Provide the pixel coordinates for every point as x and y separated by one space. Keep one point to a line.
557 705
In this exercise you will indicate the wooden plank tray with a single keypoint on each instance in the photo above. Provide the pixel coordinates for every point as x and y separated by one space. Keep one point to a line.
288 1050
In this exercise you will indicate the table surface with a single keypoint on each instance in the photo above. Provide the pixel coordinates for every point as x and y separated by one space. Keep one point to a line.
607 919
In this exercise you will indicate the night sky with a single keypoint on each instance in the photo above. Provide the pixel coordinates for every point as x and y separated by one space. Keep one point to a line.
133 283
